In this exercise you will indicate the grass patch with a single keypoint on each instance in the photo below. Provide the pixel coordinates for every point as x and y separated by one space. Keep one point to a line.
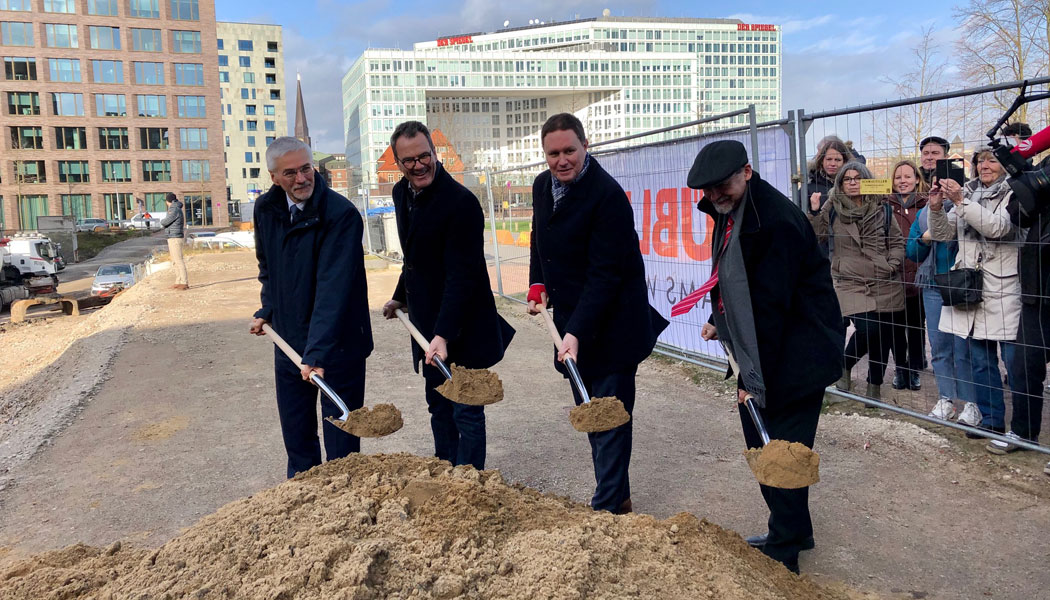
89 244
515 226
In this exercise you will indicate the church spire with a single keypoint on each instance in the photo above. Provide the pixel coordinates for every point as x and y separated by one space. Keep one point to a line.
302 130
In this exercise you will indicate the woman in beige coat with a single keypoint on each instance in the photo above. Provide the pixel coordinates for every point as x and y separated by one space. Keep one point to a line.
987 241
866 249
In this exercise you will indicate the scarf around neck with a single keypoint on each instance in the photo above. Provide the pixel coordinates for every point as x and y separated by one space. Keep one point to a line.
849 211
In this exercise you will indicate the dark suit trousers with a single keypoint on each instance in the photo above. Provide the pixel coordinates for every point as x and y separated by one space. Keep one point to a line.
459 430
789 520
297 408
611 450
1028 370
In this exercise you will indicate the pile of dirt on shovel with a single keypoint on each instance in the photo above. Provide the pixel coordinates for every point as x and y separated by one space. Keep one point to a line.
399 526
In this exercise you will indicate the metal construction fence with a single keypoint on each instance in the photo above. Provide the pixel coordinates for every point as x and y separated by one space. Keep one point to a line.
901 352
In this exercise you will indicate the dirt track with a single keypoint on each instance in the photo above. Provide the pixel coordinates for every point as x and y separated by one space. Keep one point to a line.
186 422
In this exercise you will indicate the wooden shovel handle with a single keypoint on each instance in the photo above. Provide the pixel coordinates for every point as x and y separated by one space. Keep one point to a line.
423 342
283 345
551 327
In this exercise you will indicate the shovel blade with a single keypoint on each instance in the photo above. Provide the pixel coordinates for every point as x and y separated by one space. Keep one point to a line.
785 465
474 387
600 414
378 421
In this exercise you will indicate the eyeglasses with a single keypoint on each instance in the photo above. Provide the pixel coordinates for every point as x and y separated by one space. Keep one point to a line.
305 170
851 179
409 161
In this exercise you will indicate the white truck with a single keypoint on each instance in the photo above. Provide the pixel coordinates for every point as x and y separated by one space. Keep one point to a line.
28 267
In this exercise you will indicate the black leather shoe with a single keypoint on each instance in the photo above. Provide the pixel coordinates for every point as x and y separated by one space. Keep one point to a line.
974 436
759 541
913 381
899 381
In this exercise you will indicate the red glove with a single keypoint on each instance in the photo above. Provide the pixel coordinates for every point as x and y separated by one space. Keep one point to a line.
534 293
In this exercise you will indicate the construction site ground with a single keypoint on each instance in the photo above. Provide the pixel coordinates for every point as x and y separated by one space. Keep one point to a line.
133 422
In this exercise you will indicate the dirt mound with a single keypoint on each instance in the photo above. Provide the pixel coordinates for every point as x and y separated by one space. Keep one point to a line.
380 420
400 526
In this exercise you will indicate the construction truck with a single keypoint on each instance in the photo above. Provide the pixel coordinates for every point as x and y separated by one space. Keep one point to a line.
28 267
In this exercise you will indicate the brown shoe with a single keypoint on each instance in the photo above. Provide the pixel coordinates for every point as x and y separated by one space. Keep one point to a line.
181 286
625 508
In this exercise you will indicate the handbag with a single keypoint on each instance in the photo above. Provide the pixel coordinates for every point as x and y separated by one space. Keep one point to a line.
961 287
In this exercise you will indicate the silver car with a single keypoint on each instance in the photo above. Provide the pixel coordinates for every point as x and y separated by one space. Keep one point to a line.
109 277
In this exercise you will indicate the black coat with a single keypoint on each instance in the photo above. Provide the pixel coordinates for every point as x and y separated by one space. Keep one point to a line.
445 280
313 278
587 255
797 318
1033 263
818 182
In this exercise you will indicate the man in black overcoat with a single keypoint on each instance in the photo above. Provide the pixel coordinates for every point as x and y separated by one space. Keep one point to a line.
775 308
444 286
586 263
314 295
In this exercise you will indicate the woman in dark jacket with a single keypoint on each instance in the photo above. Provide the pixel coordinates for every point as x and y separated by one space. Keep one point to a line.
909 344
832 153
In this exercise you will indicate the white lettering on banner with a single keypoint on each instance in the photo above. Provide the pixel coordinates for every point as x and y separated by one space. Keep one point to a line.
675 237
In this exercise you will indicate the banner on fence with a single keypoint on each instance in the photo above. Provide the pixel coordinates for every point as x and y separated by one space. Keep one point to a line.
675 237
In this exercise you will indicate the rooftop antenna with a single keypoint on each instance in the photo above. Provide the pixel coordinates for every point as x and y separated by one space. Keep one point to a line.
606 12
506 23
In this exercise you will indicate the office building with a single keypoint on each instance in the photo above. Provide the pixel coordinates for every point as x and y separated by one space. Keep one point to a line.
491 92
109 105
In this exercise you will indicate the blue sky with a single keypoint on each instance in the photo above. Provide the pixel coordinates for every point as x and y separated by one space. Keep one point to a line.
835 54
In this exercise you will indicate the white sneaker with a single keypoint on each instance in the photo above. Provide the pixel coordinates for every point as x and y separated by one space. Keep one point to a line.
971 415
944 409
997 447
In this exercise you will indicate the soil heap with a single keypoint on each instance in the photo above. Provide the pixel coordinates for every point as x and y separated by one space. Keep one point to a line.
400 526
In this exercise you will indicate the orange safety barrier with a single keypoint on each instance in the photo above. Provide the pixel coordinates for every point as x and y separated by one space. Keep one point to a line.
504 237
524 239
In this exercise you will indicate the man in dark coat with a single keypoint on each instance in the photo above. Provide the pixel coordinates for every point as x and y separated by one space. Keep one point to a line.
311 265
931 150
585 260
775 307
444 285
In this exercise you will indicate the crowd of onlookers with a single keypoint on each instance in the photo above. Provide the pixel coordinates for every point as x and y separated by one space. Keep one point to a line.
893 260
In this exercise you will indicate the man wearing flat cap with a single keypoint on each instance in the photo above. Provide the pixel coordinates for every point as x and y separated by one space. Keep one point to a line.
774 307
932 149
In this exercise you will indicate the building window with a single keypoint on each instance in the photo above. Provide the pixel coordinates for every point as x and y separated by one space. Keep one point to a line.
22 5
244 93
186 42
78 205
268 109
23 103
104 38
67 105
269 62
224 61
73 171
118 206
191 107
150 105
275 94
153 138
185 10
249 77
271 46
112 138
196 170
193 138
244 61
253 125
189 74
155 202
245 45
146 40
110 105
270 139
107 71
224 77
144 9
251 141
30 171
16 34
271 79
149 73
156 170
29 208
60 6
60 35
247 157
27 138
116 171
65 70
105 8
249 109
221 45
270 125
21 68
70 138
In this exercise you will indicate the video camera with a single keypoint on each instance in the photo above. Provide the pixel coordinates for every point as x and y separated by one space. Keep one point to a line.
1031 186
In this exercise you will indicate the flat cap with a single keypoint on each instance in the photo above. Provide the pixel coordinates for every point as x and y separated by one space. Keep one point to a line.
715 162
935 139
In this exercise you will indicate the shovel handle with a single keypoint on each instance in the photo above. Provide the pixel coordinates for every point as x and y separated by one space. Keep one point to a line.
749 401
423 342
570 362
314 377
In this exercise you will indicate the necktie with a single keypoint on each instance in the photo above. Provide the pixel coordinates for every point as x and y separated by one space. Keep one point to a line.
686 304
297 214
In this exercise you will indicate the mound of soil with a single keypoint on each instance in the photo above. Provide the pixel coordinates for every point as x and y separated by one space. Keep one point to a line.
400 526
378 421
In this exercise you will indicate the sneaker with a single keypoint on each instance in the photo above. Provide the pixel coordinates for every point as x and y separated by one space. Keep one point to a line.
971 415
997 447
944 409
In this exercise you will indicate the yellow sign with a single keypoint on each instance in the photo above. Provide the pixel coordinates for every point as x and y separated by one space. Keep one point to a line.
875 186
481 179
506 204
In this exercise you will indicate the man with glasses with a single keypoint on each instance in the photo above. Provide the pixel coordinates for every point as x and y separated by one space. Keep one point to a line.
444 287
774 307
311 265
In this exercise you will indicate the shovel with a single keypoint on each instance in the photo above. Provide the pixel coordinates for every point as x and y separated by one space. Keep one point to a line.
779 464
473 387
382 420
595 414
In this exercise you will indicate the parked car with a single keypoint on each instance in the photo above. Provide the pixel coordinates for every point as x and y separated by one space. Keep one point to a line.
215 243
244 238
92 225
109 277
141 221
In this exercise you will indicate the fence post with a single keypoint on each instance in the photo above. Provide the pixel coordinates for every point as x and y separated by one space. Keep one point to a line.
495 242
752 121
789 128
803 190
368 225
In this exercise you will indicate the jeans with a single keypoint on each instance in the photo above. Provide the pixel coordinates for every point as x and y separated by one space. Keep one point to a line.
611 450
977 365
873 336
1028 370
942 345
459 430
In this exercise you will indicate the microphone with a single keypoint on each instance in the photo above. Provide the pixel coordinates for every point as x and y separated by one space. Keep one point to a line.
1034 145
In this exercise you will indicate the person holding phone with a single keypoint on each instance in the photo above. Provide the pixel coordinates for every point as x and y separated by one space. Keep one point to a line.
932 149
988 240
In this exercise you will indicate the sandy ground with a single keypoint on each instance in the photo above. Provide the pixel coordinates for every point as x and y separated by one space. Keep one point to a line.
171 414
